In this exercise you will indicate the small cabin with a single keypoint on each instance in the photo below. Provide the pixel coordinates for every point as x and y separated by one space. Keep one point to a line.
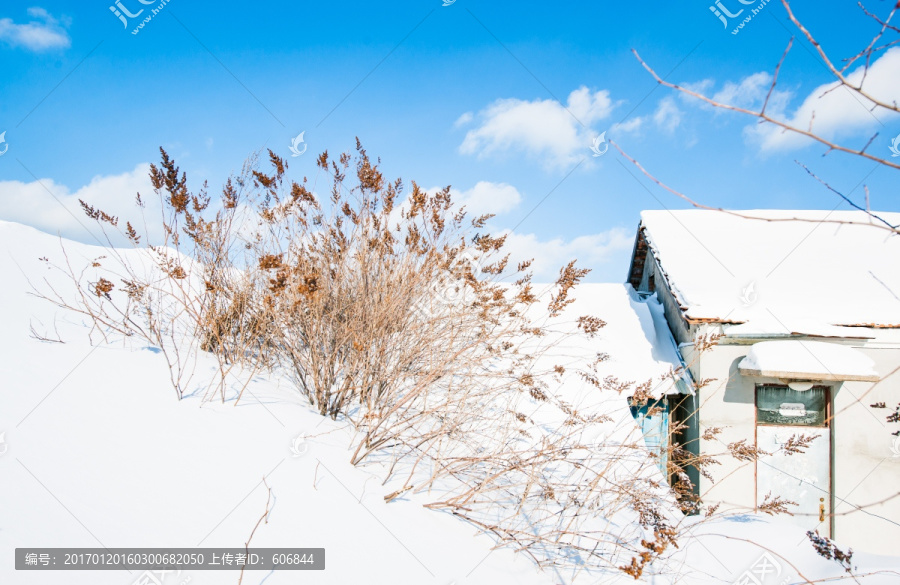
788 323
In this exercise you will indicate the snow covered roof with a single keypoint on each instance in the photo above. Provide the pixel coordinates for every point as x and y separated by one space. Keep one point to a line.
787 273
636 338
807 360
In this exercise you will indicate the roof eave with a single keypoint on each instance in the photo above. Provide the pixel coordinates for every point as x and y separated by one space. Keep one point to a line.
809 376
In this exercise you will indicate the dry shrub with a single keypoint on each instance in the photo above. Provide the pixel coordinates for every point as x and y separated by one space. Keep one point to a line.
406 320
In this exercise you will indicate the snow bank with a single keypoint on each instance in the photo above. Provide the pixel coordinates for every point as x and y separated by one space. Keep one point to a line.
98 452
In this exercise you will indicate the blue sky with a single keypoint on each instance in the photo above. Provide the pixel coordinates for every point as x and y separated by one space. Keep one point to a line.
469 95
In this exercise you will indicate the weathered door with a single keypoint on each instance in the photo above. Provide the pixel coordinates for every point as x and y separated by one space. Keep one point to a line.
653 418
804 478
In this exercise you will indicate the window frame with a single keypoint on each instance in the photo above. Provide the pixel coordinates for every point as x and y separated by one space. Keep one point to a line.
826 422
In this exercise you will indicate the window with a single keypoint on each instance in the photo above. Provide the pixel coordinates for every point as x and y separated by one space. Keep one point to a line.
779 405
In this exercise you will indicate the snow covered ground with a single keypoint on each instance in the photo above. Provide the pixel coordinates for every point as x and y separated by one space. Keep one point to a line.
98 452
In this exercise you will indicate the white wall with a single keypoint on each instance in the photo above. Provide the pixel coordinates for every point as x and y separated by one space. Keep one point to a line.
726 403
866 474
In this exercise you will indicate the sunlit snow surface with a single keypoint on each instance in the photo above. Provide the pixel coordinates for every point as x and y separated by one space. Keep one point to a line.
99 452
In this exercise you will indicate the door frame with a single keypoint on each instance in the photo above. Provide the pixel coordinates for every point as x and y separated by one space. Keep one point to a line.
666 432
829 401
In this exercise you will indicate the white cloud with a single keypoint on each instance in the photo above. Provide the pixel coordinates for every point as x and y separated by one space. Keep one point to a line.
835 111
702 87
483 198
463 120
486 197
53 208
748 93
667 116
541 129
588 107
551 255
44 32
32 204
631 125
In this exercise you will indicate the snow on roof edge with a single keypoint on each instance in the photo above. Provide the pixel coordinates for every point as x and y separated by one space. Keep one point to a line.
707 307
808 360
